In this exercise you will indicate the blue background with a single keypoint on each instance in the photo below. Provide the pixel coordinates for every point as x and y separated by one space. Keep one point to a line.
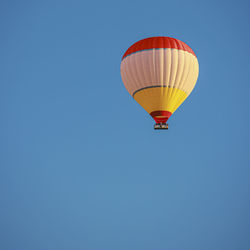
80 164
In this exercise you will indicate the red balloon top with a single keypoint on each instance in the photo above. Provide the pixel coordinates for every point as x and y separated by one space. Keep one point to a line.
157 43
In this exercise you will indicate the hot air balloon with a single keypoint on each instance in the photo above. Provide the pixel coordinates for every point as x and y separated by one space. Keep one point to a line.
160 73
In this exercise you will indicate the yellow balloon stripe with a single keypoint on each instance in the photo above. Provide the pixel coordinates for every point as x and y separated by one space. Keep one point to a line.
160 98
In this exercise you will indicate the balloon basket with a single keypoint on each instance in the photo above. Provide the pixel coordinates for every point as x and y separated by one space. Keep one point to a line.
161 126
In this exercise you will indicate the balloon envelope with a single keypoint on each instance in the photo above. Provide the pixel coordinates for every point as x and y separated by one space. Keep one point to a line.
160 73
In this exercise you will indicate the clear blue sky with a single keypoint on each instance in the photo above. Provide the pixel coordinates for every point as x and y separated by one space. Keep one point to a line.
80 164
